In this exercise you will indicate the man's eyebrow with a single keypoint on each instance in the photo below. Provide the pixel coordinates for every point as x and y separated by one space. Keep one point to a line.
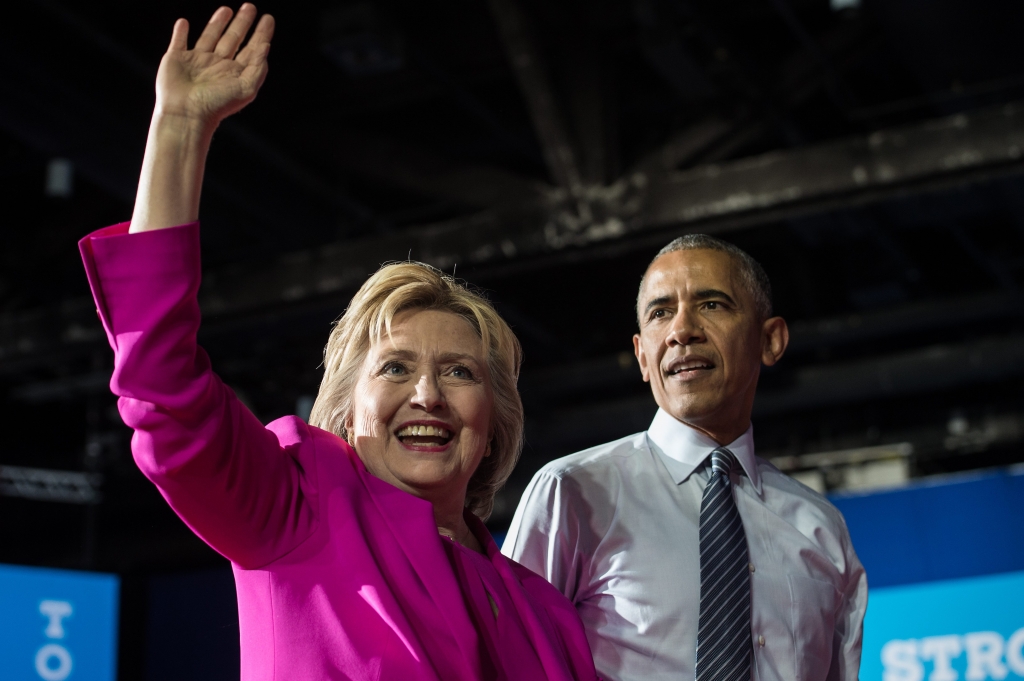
708 293
703 294
654 302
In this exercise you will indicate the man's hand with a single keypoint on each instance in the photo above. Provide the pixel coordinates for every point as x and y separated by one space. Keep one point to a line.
214 79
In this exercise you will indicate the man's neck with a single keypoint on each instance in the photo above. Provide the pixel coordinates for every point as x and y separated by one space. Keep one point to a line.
722 434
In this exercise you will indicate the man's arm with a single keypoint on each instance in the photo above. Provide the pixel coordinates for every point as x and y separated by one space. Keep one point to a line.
849 627
544 535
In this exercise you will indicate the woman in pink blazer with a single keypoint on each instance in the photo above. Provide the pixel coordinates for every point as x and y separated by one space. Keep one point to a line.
356 542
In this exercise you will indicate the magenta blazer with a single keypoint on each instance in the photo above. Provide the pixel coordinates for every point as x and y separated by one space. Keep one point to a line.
339 575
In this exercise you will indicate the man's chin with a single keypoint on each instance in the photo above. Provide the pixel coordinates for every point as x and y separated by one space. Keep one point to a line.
689 408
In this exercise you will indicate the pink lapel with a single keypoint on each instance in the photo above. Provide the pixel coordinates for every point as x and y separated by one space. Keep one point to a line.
411 522
542 633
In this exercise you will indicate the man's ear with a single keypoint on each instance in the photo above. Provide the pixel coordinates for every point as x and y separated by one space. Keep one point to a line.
641 358
775 335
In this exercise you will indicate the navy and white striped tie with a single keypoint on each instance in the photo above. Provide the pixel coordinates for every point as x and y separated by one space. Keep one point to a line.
723 630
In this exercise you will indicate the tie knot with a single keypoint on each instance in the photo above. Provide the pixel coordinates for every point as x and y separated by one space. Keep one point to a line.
723 461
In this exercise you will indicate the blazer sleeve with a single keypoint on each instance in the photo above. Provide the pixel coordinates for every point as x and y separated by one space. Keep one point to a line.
247 491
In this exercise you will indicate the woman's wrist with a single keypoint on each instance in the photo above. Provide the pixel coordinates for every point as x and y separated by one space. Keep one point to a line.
182 131
172 171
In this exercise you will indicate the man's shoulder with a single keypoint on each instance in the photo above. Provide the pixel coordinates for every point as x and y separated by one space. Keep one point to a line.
605 456
781 483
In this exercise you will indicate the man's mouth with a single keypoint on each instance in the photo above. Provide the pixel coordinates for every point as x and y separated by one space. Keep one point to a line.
423 436
690 367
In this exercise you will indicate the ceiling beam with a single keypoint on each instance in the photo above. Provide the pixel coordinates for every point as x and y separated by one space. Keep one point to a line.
638 212
934 154
685 145
429 174
528 66
668 55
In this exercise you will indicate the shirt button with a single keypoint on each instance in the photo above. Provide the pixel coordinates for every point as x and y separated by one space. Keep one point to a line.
760 641
751 567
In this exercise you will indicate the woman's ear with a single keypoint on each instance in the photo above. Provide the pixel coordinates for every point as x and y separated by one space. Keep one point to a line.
346 433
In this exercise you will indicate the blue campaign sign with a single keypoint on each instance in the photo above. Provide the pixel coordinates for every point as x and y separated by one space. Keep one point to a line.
57 625
966 629
903 535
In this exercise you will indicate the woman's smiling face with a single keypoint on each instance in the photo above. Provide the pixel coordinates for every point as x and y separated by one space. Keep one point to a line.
421 415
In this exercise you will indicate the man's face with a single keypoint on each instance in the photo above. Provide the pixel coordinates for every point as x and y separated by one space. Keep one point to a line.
701 341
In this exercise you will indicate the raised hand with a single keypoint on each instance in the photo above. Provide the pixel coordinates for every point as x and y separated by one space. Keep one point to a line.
215 78
195 90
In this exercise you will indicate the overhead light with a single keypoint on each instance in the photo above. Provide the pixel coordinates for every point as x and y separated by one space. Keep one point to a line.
59 178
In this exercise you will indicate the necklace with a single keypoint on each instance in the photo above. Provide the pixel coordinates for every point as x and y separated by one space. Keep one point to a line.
463 536
445 532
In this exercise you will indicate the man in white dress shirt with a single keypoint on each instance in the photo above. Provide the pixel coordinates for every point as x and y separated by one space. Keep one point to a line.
616 527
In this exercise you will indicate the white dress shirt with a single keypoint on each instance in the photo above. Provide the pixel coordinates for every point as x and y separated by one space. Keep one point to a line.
615 528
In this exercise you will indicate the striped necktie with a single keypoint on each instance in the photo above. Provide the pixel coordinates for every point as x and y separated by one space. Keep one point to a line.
723 630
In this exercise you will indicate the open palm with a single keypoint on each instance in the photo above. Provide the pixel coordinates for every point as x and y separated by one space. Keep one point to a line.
215 78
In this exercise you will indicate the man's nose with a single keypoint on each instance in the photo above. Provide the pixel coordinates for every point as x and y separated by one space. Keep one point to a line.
687 328
428 394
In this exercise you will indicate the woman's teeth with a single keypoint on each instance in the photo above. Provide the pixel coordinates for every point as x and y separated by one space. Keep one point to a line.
423 431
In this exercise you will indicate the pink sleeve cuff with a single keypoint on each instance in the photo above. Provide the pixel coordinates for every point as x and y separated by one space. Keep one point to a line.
128 273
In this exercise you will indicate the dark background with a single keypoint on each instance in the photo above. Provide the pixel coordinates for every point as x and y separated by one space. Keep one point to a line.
869 156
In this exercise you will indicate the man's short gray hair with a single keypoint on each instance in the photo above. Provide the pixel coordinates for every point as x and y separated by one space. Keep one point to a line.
754 276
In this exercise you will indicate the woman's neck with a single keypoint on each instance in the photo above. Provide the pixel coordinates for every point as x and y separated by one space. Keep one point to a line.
457 529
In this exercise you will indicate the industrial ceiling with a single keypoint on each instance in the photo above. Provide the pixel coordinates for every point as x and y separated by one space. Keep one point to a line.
868 153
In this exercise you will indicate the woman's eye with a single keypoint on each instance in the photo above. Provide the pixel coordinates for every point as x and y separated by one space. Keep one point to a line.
393 369
461 372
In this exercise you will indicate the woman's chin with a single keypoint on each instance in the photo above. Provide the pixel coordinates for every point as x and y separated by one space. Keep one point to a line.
426 477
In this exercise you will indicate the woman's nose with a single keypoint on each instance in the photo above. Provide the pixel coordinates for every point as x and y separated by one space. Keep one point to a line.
428 394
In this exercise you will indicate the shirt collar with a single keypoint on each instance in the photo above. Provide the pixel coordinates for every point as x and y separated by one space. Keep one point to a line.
686 448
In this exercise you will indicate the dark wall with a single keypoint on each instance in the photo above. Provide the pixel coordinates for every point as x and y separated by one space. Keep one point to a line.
192 627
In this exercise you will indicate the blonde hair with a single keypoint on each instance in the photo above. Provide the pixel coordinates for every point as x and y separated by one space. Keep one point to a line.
397 287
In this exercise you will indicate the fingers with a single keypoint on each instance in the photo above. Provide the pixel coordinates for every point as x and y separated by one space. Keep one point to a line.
259 44
211 34
255 73
225 43
232 39
254 56
264 30
179 36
